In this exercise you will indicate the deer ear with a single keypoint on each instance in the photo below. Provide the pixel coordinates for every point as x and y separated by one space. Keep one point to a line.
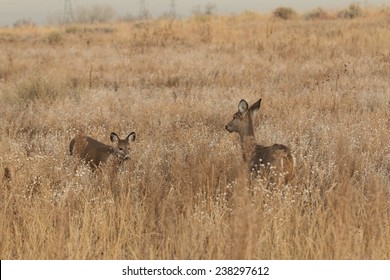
131 137
114 137
255 107
243 106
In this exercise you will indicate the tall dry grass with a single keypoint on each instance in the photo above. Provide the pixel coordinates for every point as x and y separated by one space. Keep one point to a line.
184 195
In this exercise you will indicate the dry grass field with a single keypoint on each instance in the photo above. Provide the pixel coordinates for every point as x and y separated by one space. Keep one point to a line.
184 193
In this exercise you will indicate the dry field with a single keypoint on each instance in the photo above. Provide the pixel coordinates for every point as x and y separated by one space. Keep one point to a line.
184 194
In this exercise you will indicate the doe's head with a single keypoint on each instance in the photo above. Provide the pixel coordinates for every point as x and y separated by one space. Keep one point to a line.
121 146
242 120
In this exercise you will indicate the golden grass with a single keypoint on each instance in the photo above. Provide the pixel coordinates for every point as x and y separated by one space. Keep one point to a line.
184 195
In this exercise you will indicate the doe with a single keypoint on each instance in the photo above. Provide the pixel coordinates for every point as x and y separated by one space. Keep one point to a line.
96 153
266 161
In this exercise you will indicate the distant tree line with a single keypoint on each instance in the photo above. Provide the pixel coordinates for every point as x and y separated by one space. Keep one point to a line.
100 13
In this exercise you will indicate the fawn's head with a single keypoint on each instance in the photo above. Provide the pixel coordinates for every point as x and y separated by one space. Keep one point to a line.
242 120
121 146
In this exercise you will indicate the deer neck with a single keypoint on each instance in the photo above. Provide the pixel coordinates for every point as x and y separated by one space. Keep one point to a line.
248 141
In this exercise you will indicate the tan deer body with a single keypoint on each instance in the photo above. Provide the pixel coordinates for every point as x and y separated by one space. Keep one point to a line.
266 161
96 153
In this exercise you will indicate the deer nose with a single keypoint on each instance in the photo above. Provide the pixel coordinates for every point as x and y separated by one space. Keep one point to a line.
126 157
227 128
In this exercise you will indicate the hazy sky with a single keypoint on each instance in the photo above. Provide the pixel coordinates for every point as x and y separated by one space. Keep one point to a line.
39 10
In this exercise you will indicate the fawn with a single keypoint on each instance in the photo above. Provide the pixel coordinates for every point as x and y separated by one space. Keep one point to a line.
96 153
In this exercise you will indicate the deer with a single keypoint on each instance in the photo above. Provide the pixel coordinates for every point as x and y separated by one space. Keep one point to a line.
95 153
264 161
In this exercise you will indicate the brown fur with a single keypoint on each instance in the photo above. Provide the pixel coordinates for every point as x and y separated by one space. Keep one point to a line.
96 153
266 161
